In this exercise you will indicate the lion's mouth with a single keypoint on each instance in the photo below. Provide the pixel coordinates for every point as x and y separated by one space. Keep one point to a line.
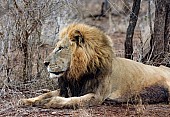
54 74
57 73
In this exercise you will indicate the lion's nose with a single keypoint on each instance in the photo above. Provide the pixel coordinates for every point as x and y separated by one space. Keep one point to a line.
46 63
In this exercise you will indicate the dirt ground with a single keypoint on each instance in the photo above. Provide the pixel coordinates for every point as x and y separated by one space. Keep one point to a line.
9 108
102 111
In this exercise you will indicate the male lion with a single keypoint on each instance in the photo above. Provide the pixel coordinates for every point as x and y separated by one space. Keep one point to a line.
88 71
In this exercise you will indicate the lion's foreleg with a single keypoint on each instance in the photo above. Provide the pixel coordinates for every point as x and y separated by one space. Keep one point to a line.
40 98
74 102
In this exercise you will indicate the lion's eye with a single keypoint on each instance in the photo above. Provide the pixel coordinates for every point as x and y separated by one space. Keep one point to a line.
60 48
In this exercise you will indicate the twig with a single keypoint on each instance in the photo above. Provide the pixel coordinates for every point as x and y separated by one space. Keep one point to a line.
151 53
149 17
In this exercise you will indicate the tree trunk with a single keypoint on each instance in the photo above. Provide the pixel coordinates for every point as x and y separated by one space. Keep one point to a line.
159 26
161 36
131 28
25 54
167 27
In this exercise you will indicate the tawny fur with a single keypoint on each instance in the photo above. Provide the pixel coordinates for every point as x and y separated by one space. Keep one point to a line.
89 53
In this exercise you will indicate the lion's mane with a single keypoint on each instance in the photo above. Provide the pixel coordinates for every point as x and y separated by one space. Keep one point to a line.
93 58
95 54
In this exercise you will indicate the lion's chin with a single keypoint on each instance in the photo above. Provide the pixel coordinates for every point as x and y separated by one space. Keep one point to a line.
56 74
52 75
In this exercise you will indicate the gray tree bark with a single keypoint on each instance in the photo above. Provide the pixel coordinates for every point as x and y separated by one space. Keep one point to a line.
161 37
131 28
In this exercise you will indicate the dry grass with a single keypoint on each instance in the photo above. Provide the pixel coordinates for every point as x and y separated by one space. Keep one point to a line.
8 107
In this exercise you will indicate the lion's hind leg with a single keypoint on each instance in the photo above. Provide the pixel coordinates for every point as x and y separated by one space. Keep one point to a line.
166 80
39 99
168 87
166 84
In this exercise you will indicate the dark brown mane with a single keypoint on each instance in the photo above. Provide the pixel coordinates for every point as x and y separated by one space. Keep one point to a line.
71 87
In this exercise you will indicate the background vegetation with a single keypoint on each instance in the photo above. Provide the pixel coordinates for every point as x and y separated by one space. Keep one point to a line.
29 30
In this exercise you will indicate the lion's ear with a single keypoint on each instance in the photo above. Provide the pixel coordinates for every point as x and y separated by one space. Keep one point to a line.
78 37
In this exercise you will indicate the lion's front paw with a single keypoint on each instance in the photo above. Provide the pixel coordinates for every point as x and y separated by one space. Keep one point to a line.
41 103
25 102
33 102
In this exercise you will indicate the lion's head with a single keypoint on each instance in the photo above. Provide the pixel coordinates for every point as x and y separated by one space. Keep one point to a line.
81 49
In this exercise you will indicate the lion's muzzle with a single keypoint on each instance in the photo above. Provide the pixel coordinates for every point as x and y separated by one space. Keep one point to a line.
54 71
46 63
